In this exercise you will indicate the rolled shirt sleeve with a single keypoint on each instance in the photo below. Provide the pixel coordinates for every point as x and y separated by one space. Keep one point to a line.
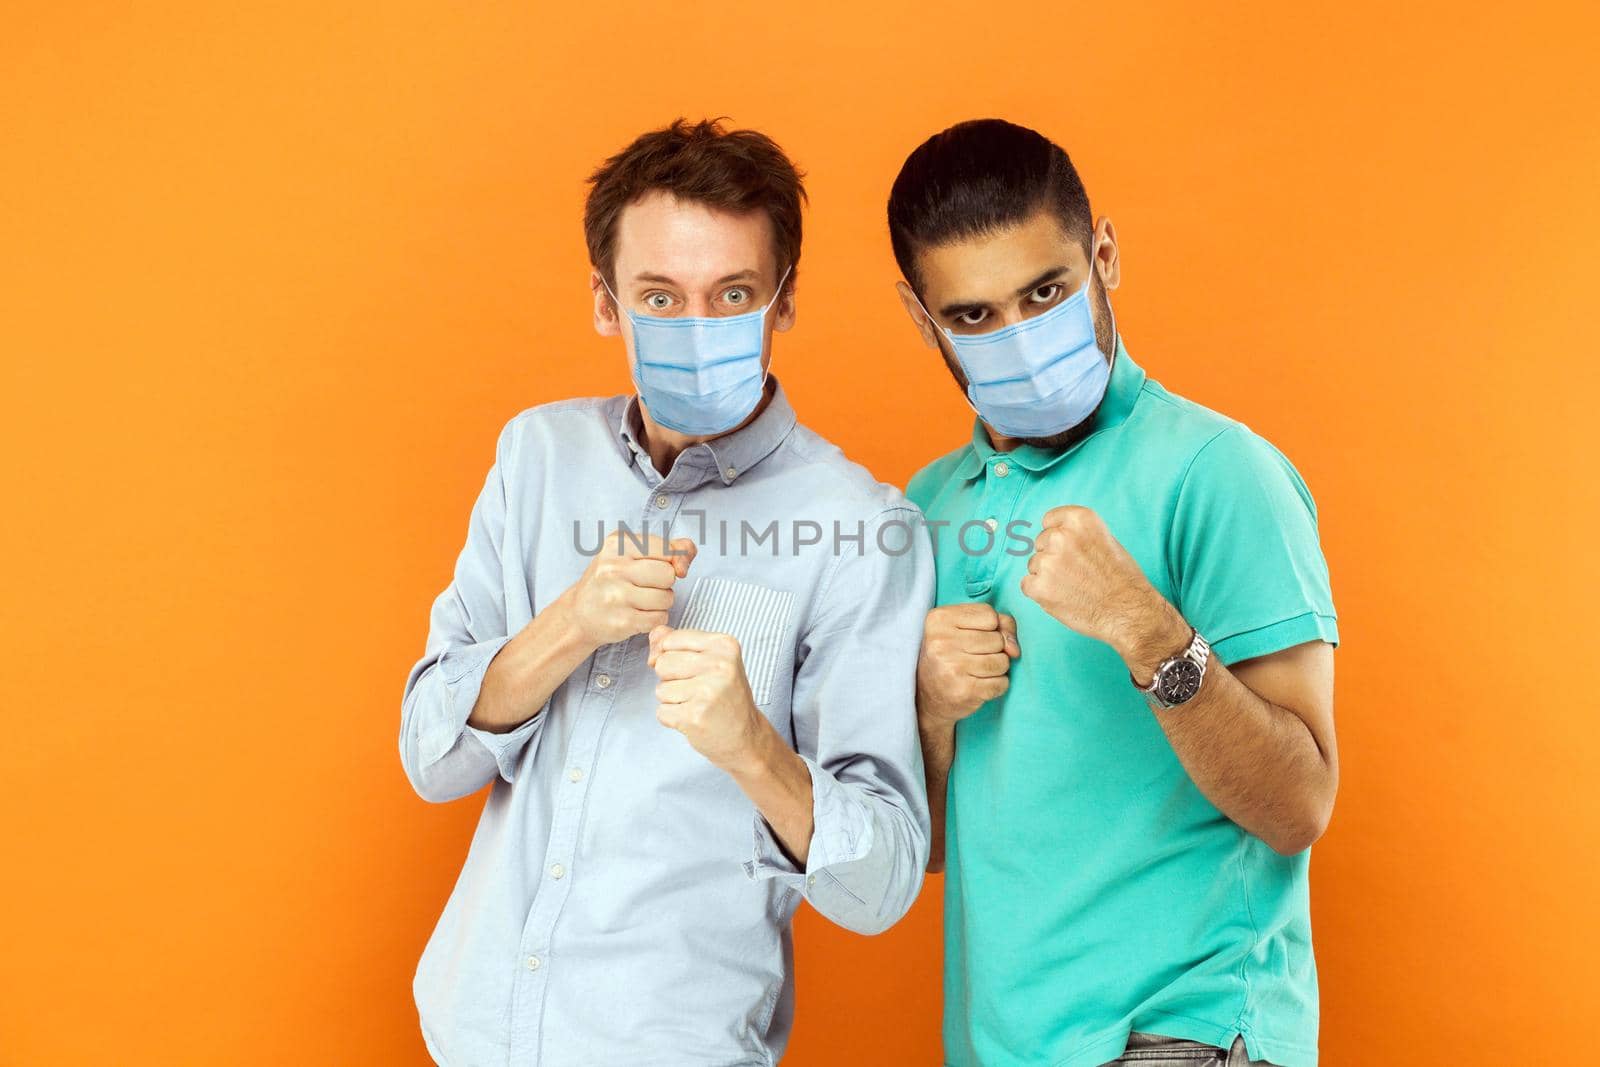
854 708
1244 551
444 758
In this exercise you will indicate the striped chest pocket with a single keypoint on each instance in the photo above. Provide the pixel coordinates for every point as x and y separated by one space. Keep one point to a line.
754 615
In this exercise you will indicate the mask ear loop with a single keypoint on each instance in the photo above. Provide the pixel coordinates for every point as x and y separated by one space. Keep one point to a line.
623 315
767 370
1094 272
937 329
934 326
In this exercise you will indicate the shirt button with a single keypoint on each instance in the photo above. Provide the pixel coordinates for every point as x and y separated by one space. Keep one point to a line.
533 963
575 774
1002 469
811 880
556 870
603 681
733 472
661 501
991 525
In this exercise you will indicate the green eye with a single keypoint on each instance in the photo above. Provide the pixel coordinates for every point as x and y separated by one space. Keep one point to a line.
658 301
737 296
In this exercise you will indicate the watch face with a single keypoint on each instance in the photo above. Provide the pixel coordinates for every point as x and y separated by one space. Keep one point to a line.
1180 680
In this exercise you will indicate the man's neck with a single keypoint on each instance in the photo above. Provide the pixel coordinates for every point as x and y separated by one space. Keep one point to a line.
664 446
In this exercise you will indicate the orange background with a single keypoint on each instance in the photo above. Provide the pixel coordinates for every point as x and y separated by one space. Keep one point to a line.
273 280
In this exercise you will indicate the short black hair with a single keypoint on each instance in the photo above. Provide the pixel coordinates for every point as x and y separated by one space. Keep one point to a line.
978 177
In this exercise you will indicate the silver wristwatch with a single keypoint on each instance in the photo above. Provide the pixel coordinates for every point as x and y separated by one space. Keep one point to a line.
1178 679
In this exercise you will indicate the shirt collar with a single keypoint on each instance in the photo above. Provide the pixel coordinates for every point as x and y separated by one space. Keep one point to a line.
1122 392
730 455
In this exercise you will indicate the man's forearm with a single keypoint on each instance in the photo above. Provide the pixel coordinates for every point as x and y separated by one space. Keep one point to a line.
778 783
938 752
528 669
1259 763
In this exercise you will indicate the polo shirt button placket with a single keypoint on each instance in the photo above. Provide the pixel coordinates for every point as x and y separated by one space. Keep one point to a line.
981 545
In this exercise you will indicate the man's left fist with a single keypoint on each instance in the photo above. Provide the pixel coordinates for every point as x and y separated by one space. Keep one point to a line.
704 694
1083 576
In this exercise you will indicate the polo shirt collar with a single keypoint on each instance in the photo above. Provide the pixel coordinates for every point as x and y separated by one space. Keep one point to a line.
730 455
1122 392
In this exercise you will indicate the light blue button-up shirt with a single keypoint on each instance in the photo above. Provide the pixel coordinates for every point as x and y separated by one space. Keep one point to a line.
623 902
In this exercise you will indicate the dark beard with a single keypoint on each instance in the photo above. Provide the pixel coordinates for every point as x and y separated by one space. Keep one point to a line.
1064 440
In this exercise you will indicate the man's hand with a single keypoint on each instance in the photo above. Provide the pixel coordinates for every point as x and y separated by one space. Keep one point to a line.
1259 744
705 696
1082 576
966 654
627 590
967 651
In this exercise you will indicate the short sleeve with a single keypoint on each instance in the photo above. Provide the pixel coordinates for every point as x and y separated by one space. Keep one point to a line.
1244 552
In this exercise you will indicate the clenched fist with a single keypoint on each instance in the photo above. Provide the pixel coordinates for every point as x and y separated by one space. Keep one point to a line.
1082 575
705 695
627 590
967 651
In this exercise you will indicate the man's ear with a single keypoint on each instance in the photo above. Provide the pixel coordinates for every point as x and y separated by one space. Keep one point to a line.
925 327
1110 265
783 318
607 319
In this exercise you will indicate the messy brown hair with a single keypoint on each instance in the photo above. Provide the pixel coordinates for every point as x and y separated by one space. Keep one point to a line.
735 170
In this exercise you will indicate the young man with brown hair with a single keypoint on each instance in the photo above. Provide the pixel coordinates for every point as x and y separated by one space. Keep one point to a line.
691 719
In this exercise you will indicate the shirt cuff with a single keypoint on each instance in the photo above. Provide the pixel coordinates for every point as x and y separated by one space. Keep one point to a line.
507 748
461 668
842 832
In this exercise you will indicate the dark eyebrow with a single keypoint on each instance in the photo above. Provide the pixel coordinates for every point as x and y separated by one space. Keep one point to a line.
954 311
662 279
1048 276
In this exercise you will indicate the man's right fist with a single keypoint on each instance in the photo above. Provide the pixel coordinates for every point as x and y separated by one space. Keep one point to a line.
627 589
967 650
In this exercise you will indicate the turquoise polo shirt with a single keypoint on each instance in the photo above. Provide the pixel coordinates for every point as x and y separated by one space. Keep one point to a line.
1090 888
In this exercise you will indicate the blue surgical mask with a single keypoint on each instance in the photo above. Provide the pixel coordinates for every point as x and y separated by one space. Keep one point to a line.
1039 377
699 376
